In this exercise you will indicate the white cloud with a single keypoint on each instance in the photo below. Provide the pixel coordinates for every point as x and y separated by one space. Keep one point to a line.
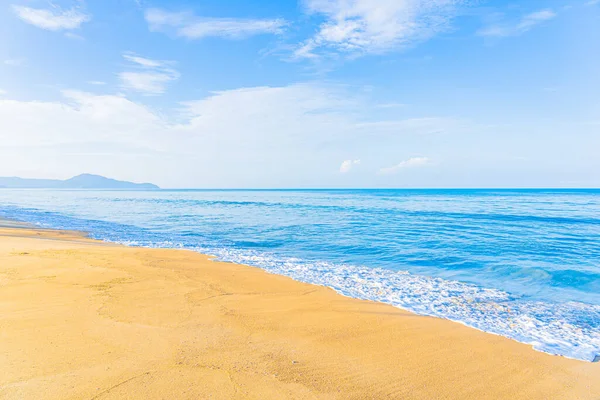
257 137
367 26
81 117
149 77
526 23
2 92
421 126
391 105
97 83
347 165
54 19
74 36
144 62
149 83
192 27
14 62
410 163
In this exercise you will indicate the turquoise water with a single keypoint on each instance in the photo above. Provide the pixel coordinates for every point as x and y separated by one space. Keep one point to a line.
519 263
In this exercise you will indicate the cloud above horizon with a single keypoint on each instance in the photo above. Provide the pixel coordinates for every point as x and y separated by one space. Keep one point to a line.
525 24
358 27
265 136
245 134
347 165
149 77
52 19
14 62
410 163
190 26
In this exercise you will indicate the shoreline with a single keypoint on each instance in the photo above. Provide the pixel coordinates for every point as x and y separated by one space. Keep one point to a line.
492 318
205 321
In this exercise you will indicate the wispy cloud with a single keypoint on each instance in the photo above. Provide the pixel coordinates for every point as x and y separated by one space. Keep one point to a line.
97 83
365 26
390 105
53 19
14 62
149 77
74 36
144 62
193 27
410 163
526 23
347 165
2 92
421 126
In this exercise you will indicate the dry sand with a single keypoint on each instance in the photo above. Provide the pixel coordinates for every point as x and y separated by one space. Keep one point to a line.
81 319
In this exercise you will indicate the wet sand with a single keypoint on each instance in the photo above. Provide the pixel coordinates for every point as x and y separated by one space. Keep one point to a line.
81 319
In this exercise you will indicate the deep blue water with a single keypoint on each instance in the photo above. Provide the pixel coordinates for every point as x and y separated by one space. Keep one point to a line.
519 263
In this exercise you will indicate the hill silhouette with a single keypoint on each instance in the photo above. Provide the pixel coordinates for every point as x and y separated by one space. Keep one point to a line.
83 181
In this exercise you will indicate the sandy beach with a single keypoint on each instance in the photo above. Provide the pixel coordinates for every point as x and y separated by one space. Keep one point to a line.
81 319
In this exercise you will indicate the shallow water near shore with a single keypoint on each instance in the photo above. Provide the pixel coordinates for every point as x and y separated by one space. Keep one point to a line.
519 263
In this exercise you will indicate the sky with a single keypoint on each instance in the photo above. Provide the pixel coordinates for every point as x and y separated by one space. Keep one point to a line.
303 93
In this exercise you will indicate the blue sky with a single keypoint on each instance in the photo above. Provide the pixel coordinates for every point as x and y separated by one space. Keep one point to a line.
308 93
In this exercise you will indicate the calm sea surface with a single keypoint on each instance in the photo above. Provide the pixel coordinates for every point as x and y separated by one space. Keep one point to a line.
519 263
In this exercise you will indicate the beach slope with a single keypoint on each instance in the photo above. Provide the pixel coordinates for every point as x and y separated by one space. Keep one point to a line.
81 319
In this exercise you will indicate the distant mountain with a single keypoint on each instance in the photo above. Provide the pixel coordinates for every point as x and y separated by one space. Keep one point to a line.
83 181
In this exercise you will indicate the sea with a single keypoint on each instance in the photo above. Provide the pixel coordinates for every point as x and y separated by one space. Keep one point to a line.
524 264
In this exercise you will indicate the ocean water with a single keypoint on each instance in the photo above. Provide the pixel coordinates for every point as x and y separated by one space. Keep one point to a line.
524 264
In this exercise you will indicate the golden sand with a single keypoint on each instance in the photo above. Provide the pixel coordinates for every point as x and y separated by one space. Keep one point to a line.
81 319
